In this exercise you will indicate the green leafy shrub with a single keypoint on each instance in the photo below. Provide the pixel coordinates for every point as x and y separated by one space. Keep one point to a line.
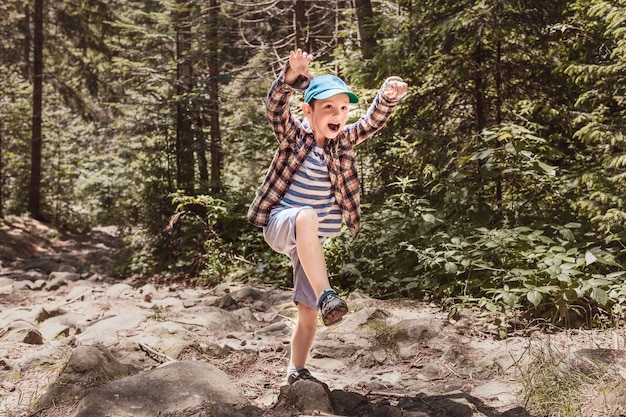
561 274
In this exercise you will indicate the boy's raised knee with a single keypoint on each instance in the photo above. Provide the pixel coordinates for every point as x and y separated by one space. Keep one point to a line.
307 219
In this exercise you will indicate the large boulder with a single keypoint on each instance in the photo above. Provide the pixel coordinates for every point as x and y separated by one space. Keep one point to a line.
166 390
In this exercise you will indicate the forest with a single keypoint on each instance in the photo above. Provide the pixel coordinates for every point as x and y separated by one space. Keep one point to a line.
499 183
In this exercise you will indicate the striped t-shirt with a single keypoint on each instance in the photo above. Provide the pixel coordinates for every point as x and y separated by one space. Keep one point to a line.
310 187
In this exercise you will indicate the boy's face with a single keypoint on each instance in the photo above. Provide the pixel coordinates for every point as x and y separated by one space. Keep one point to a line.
327 116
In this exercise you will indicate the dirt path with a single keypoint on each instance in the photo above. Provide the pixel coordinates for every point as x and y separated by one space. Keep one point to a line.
400 352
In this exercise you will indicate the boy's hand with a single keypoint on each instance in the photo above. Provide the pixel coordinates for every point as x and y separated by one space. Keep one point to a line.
394 88
298 65
299 62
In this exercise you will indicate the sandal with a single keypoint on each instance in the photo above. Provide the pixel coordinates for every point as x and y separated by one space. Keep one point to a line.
302 375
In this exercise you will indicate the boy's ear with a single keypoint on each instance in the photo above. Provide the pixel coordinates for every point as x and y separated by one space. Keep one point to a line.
306 109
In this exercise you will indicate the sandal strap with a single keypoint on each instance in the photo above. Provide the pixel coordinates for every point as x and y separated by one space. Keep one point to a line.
302 375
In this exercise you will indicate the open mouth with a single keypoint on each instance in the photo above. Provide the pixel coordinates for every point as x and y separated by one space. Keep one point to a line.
333 126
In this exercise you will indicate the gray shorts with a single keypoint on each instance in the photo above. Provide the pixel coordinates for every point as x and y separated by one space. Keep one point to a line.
280 234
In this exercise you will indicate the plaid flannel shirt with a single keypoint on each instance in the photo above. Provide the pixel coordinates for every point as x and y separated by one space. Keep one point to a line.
296 140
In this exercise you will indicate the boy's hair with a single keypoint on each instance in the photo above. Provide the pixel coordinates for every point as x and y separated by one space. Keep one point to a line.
325 86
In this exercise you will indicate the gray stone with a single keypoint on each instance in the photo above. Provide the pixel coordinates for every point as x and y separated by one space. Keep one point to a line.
64 276
161 391
417 330
51 330
56 283
306 396
357 321
107 330
6 285
348 403
88 366
39 284
20 314
28 335
433 371
119 289
246 294
23 285
495 392
79 292
274 329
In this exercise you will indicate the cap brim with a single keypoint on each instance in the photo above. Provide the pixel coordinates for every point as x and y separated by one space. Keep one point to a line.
333 92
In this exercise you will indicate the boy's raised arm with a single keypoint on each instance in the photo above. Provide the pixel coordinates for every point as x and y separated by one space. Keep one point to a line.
394 88
298 66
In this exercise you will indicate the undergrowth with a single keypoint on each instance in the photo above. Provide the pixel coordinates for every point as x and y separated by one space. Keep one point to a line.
580 383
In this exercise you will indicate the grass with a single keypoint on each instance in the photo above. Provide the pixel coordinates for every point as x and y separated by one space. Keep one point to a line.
583 383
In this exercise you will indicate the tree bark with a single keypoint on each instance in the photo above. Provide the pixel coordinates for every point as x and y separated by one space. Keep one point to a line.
1 169
365 27
479 93
34 191
340 22
24 27
184 125
214 72
300 25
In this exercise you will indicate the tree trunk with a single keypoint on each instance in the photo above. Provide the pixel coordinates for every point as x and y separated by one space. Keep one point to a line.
479 102
300 25
498 82
34 191
24 28
201 153
340 22
365 27
184 125
214 108
1 169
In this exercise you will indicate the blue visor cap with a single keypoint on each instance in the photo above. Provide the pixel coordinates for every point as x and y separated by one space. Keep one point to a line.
325 86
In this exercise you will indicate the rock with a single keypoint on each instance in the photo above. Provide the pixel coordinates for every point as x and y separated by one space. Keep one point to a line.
8 386
357 321
20 314
51 330
166 337
416 330
385 410
88 366
275 329
79 292
66 276
43 264
25 334
39 285
495 392
432 371
306 396
4 365
56 283
452 404
227 302
348 403
42 357
166 390
23 285
119 289
108 330
6 285
248 294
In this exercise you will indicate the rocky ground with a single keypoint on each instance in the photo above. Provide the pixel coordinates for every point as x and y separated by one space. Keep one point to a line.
76 342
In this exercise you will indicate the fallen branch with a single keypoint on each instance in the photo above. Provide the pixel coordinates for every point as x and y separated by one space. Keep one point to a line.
155 354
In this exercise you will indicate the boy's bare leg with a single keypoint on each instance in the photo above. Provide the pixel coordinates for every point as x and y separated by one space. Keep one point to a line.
310 251
303 335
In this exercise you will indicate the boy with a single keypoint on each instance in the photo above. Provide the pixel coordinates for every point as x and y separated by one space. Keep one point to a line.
312 184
